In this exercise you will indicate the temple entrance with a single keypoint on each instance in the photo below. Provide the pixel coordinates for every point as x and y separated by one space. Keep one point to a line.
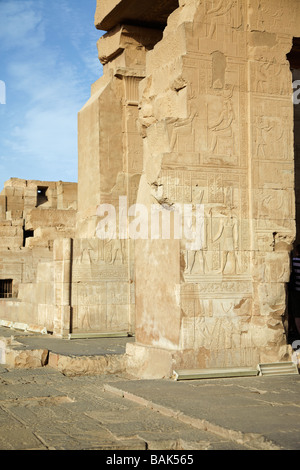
294 59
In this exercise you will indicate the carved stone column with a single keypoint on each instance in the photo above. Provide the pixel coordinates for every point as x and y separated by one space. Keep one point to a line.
110 165
62 256
217 118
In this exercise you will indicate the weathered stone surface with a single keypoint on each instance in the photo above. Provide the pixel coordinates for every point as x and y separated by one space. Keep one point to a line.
83 365
14 356
110 13
33 215
194 110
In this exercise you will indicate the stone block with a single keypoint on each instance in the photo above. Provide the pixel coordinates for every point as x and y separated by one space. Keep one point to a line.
50 218
146 363
18 359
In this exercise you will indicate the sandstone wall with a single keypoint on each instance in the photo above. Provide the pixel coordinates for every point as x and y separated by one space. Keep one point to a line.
110 165
219 134
32 215
194 109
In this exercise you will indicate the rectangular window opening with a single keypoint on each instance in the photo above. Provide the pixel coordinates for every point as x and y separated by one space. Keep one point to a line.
42 195
27 234
6 288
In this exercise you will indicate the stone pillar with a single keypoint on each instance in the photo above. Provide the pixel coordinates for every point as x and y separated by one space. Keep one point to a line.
109 140
62 255
110 165
217 119
2 207
30 198
271 170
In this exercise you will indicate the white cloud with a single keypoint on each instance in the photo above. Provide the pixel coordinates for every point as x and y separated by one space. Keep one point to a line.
21 25
49 71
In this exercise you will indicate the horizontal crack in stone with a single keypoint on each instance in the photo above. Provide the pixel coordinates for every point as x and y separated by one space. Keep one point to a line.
42 401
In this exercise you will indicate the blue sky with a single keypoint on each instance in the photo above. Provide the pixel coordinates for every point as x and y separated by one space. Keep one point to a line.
48 61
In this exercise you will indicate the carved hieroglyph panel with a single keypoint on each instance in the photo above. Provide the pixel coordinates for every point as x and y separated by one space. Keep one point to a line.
272 128
273 204
213 334
276 175
197 299
225 235
192 184
101 305
271 267
102 253
215 131
101 318
218 24
270 78
132 141
278 16
101 293
273 151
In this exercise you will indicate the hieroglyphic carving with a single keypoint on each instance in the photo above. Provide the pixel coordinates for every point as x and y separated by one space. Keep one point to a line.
222 129
99 272
268 174
204 307
226 237
262 127
215 131
115 251
182 129
100 252
213 334
221 253
272 134
272 144
100 306
101 318
268 15
219 23
223 10
273 204
194 184
215 189
270 78
132 142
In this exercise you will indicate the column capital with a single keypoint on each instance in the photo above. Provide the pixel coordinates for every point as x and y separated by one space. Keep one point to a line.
124 37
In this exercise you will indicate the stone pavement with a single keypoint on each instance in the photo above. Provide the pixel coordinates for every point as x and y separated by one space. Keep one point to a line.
42 408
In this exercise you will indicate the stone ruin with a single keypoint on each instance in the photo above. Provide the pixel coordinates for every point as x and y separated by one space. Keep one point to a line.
35 216
194 109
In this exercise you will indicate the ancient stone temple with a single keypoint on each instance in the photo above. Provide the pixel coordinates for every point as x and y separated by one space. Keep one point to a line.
195 125
195 109
35 217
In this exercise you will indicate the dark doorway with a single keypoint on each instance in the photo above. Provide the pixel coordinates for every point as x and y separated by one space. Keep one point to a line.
27 234
42 195
294 59
6 288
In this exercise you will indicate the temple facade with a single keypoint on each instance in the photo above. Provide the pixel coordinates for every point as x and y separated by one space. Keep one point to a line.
188 186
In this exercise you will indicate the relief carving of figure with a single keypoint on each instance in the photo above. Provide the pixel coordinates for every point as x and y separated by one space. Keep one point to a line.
228 238
222 127
115 250
262 129
181 127
262 77
197 263
221 9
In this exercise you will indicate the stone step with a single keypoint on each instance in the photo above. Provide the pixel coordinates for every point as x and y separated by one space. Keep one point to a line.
70 358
